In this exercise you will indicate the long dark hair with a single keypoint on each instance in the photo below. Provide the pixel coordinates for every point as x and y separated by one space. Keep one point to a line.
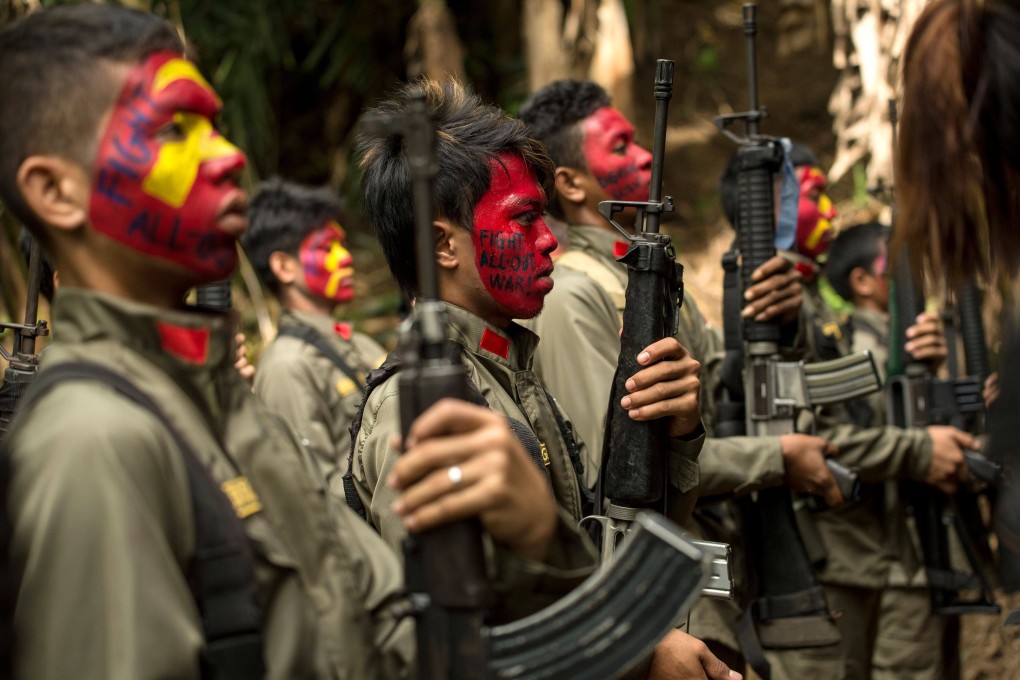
959 150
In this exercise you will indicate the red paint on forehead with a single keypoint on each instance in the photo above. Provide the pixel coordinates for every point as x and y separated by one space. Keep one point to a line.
621 167
513 186
177 94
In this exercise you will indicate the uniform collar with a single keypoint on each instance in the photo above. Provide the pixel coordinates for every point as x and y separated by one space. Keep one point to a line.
188 339
598 241
511 347
321 323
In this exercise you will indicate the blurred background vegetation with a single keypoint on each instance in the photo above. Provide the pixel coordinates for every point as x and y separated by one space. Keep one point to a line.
295 75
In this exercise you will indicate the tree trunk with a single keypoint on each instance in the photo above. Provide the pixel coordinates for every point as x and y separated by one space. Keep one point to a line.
433 47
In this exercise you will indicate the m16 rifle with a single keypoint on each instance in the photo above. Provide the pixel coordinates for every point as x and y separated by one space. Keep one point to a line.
634 471
763 395
23 361
917 398
603 627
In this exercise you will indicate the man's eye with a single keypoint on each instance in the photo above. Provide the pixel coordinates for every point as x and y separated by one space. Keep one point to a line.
172 131
525 219
620 149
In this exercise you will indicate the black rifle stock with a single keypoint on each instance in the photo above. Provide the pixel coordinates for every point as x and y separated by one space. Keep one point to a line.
763 396
604 626
23 361
917 398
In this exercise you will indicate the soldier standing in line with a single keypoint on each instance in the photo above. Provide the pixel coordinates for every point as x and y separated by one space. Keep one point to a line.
593 146
493 254
849 545
313 374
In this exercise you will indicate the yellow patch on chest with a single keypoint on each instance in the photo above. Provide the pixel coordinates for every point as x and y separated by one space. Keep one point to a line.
241 496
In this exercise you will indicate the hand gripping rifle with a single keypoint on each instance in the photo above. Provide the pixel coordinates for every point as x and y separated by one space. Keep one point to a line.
604 626
917 398
763 396
23 360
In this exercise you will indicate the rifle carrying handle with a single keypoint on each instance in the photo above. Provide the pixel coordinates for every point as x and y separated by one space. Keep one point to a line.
756 219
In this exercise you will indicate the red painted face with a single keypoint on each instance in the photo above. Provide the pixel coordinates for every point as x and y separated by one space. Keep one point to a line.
328 266
814 214
622 168
512 243
163 174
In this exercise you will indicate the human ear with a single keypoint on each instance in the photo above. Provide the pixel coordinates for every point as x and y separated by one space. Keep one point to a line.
862 283
570 184
447 252
284 267
56 190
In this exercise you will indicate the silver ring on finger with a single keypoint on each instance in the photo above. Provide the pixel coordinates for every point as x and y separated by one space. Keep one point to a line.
455 474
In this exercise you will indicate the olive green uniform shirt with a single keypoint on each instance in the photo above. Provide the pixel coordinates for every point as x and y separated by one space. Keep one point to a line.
856 536
104 530
316 398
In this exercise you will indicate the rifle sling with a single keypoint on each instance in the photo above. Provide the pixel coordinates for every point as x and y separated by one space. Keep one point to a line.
313 338
221 574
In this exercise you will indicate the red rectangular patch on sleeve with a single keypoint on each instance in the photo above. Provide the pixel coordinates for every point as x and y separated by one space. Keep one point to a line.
620 248
189 344
495 343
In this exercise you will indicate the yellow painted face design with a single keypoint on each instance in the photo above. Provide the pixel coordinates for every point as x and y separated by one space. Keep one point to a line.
176 168
328 265
163 178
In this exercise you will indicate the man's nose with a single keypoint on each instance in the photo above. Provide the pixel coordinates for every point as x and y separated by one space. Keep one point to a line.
220 158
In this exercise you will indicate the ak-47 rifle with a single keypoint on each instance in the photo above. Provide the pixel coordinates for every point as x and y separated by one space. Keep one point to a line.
604 626
764 395
917 398
23 360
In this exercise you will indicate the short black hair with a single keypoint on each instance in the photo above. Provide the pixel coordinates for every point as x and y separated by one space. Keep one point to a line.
46 269
857 246
800 155
469 134
55 83
281 215
553 115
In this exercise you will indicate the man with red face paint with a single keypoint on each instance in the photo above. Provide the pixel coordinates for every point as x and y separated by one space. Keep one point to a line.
493 248
597 158
165 524
853 546
314 372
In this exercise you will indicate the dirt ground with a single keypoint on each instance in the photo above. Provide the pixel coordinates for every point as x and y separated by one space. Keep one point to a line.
988 651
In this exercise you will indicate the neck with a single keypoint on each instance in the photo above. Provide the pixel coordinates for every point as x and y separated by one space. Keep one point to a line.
870 305
147 285
297 301
590 215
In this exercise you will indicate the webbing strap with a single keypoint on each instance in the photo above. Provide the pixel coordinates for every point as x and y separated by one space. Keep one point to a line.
313 338
221 574
388 369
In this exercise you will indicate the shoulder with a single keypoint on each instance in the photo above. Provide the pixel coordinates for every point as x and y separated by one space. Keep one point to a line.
370 351
575 289
86 437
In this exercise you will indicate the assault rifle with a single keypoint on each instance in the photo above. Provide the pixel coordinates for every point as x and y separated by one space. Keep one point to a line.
764 395
214 296
634 471
23 360
603 627
917 398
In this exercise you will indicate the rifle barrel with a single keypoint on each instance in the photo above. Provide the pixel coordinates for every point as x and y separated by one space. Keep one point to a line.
664 69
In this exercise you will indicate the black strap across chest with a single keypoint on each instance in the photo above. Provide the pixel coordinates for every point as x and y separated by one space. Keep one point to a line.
524 434
315 339
221 574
